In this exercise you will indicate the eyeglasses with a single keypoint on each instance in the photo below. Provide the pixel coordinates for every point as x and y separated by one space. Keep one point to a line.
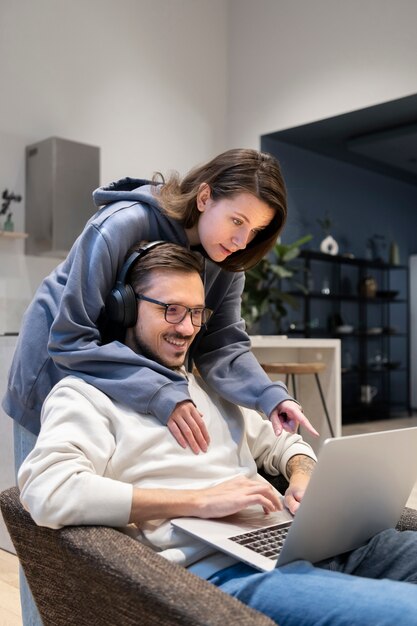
176 313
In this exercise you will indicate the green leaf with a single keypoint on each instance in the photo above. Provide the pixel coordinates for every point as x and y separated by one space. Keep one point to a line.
263 293
281 271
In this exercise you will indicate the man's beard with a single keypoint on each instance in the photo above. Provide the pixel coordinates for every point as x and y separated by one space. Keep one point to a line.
140 347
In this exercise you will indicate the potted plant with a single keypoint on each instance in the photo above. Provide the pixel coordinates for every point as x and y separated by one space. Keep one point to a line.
263 294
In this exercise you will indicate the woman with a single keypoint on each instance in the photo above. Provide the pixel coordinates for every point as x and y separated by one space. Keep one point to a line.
232 210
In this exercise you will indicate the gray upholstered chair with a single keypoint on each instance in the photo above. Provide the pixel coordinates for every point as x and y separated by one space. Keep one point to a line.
98 576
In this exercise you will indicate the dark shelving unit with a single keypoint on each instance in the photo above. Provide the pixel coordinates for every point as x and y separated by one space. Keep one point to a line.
374 329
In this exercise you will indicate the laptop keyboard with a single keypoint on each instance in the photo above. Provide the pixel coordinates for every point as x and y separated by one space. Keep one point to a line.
265 541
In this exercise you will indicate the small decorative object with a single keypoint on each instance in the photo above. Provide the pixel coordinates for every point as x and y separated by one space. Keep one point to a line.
329 244
9 224
368 393
325 287
368 287
7 198
394 254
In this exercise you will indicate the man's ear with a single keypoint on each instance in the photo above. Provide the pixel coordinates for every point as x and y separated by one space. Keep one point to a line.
203 195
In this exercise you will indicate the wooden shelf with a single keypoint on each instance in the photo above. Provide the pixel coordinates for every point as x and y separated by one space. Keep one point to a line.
12 234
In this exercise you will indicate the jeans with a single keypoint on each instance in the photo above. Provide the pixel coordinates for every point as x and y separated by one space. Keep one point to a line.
360 588
24 442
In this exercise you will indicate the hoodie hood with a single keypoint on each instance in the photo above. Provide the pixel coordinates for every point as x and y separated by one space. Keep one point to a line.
131 189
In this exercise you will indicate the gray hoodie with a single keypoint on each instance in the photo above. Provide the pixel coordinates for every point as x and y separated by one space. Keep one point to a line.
59 334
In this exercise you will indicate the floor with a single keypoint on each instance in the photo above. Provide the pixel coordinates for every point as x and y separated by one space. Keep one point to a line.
9 591
9 582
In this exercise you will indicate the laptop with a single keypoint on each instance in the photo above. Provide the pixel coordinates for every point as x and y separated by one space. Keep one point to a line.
359 487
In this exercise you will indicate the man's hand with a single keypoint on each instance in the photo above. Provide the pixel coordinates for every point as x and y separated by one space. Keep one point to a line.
236 494
226 498
299 470
288 415
186 424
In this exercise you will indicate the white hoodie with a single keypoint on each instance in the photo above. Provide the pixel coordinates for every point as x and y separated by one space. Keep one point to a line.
91 452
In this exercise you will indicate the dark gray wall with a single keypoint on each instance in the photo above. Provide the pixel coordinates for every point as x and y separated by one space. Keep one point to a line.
360 202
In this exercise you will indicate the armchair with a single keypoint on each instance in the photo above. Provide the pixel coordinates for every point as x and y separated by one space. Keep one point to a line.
96 576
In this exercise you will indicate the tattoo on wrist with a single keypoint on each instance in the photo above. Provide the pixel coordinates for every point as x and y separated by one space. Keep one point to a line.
300 463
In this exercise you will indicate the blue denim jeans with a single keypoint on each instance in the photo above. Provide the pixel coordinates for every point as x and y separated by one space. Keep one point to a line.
24 442
362 587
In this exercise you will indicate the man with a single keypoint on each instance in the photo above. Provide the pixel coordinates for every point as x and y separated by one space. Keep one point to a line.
99 462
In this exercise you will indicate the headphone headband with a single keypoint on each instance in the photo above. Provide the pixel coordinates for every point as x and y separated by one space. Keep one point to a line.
137 254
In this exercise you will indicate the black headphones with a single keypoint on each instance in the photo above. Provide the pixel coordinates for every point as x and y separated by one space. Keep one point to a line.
121 306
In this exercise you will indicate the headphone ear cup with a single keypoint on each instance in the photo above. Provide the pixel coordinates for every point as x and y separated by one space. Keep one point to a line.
121 306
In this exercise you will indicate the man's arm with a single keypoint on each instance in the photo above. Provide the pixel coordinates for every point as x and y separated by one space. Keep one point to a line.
299 469
223 499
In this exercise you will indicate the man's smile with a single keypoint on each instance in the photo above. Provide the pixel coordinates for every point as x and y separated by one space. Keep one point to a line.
177 342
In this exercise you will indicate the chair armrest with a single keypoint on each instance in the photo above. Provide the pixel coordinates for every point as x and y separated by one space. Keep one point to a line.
162 593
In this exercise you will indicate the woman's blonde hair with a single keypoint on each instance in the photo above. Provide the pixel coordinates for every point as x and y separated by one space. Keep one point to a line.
230 173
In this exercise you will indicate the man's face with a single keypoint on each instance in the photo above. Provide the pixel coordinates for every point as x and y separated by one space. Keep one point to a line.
153 336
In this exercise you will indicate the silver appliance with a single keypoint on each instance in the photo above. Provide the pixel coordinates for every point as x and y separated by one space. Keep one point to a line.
60 178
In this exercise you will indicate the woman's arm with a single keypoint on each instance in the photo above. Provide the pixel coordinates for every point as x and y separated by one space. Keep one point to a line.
75 342
224 358
223 354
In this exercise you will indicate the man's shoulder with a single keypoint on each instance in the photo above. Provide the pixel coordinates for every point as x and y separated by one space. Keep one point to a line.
74 387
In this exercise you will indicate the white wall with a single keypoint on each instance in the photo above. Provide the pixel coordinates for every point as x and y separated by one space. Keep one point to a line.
162 84
143 79
297 61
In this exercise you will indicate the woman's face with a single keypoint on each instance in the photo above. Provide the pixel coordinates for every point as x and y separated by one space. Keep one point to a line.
229 224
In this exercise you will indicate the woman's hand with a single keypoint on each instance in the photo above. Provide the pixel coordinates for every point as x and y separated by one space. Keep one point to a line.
186 424
288 415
